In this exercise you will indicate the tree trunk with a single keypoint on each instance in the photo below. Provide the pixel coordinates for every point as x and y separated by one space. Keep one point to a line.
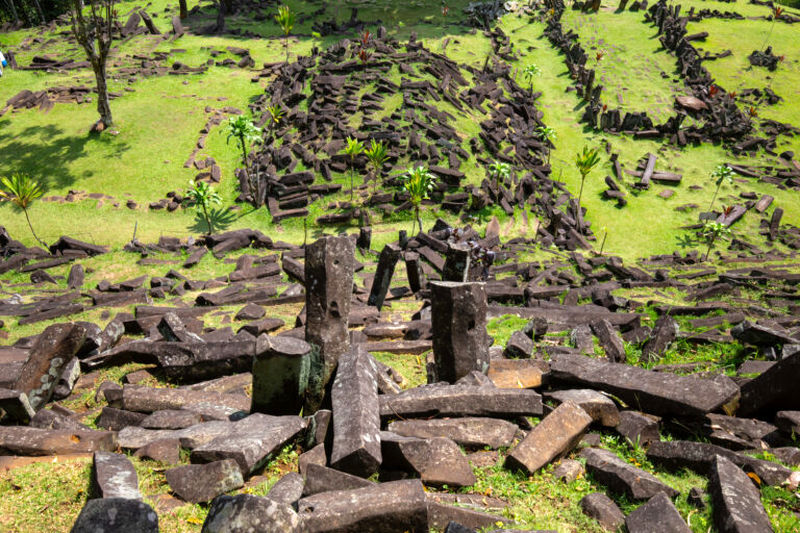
220 16
103 106
39 10
13 10
184 9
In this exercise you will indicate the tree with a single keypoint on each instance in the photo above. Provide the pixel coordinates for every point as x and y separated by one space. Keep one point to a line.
711 232
94 32
22 191
353 149
183 9
243 130
285 19
499 172
722 174
548 136
585 163
530 72
418 183
377 154
203 197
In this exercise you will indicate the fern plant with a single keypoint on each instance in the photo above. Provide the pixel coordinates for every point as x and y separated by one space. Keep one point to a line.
21 191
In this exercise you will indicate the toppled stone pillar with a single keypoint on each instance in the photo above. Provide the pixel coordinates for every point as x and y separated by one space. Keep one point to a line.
383 275
457 263
329 287
460 341
414 271
280 375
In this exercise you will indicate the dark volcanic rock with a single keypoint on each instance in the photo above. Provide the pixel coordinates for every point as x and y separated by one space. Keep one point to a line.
638 428
622 477
657 515
437 461
320 478
203 483
653 392
115 476
600 407
774 390
20 440
245 513
383 275
120 515
469 432
280 375
603 509
735 500
461 400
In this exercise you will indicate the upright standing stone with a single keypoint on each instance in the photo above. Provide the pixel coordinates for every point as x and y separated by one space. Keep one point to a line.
460 341
329 287
456 265
356 415
383 275
556 435
280 375
115 476
413 271
609 340
76 277
52 352
664 334
736 501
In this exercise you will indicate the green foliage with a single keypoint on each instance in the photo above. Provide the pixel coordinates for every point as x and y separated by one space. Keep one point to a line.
418 183
585 162
276 114
245 131
711 232
548 136
285 19
530 72
21 191
353 149
499 172
203 197
722 174
377 154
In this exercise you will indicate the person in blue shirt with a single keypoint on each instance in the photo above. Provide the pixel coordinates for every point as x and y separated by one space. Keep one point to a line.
3 62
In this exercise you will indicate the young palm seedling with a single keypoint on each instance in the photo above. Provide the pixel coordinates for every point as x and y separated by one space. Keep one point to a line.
499 172
722 174
377 154
285 19
275 114
418 183
711 232
548 136
585 163
203 197
353 149
531 72
243 130
22 191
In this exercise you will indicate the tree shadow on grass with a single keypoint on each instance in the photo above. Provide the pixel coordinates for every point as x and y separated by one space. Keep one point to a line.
45 152
221 219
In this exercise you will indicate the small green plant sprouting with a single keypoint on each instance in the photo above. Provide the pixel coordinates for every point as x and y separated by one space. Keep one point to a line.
499 172
418 183
353 149
603 243
531 72
585 163
276 114
711 232
722 174
377 154
22 190
243 130
285 19
548 135
203 197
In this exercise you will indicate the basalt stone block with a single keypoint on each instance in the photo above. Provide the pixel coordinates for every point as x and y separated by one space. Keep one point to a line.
21 440
383 274
329 265
555 436
250 311
252 442
165 451
319 478
134 438
699 456
115 476
15 403
437 461
314 456
288 489
519 346
568 470
209 404
440 515
740 433
622 477
516 373
788 421
173 329
171 419
469 432
50 419
76 277
736 501
67 380
638 428
280 375
774 390
658 514
203 483
600 407
603 509
120 515
115 419
356 416
416 278
658 393
394 507
460 340
761 334
461 400
48 357
664 334
245 513
609 340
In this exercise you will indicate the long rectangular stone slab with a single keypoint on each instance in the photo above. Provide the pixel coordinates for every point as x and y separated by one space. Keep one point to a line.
461 400
210 404
656 393
21 440
563 317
